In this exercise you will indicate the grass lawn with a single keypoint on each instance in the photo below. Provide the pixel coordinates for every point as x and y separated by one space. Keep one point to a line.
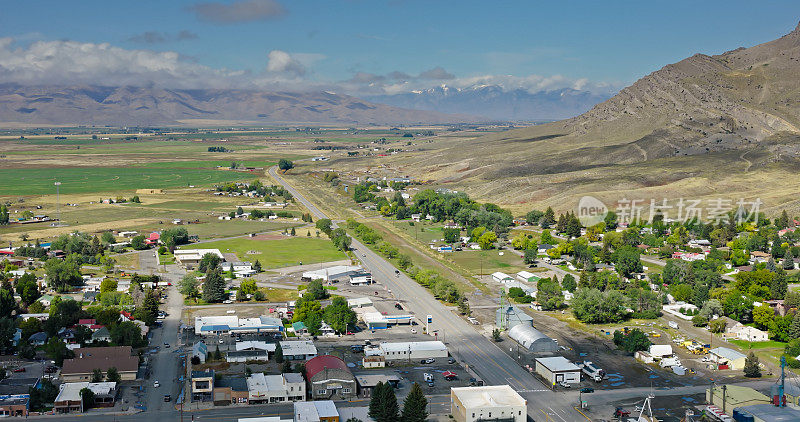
423 232
490 260
166 259
278 253
746 345
128 261
279 295
228 228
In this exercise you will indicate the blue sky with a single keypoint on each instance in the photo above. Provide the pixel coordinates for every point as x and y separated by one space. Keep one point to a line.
318 43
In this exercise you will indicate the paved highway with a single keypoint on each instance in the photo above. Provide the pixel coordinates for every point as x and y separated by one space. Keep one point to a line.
478 353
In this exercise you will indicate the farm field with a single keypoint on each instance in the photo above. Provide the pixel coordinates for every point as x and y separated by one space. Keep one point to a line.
491 261
110 179
216 229
279 252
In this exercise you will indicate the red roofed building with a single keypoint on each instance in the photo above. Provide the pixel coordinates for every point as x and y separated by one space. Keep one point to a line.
153 239
87 322
329 378
126 316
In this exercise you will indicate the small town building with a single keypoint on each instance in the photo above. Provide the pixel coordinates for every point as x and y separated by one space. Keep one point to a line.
298 349
659 351
747 333
768 413
367 382
359 302
87 359
337 272
361 279
230 390
726 358
14 405
412 350
275 388
501 277
69 395
355 412
527 277
316 411
200 351
509 316
190 258
227 324
486 403
38 339
557 369
101 335
728 397
329 378
532 339
203 385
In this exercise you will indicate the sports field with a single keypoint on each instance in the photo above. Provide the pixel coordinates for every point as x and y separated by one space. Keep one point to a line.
277 253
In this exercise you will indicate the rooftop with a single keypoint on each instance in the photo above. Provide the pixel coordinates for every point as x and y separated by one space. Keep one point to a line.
557 364
412 345
320 363
301 347
71 391
312 411
727 353
88 359
488 396
768 412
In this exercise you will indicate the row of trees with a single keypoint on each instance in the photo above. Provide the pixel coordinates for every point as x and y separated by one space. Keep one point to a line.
383 405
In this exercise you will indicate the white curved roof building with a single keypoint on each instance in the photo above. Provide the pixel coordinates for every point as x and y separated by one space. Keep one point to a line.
532 339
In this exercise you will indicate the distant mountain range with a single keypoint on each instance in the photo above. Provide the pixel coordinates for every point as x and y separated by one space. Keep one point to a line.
494 102
148 106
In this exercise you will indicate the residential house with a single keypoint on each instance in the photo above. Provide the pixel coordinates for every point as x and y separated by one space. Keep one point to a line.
38 339
101 335
200 350
747 333
251 351
543 248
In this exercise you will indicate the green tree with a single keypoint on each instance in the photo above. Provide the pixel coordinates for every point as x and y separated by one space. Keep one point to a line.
487 239
634 341
610 220
569 284
248 286
137 242
794 328
188 286
415 406
148 312
546 238
28 288
208 262
339 315
763 316
112 375
549 295
717 326
324 224
533 217
257 265
3 215
451 235
780 326
595 307
548 219
97 375
751 367
699 321
293 232
7 303
285 165
627 261
126 333
108 238
383 404
8 328
496 335
87 398
286 367
316 291
278 353
214 286
57 351
108 285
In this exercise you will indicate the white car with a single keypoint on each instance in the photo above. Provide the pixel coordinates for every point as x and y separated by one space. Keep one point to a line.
156 384
413 331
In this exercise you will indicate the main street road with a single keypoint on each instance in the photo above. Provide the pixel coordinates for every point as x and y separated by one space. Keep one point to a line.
480 355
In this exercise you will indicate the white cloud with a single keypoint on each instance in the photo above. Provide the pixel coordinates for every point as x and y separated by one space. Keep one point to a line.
283 62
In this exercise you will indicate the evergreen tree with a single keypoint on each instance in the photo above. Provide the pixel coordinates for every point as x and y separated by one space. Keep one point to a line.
214 286
286 367
257 266
217 354
794 329
788 260
294 233
3 215
778 285
278 353
751 368
383 405
548 219
415 406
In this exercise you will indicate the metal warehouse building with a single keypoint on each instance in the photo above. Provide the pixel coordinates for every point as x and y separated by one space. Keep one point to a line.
413 350
509 316
556 369
532 339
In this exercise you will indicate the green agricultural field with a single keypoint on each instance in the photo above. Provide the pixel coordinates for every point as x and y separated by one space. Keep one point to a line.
39 181
216 229
277 253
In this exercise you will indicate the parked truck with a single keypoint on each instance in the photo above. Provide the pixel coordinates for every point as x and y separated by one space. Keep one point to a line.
592 371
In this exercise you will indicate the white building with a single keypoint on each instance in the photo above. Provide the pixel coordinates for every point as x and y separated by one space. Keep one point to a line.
250 351
747 333
275 388
501 277
658 351
413 350
331 273
557 369
359 302
527 277
361 279
192 257
315 411
227 324
495 402
298 349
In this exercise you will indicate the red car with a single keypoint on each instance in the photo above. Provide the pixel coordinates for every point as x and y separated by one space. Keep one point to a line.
450 375
19 370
